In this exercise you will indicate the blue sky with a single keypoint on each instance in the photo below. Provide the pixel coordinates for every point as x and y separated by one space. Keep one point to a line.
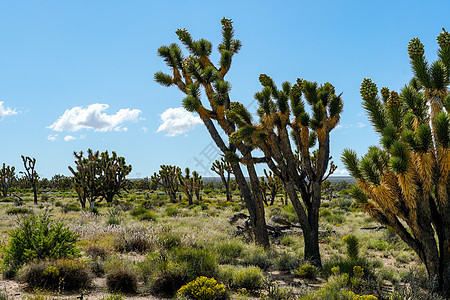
79 74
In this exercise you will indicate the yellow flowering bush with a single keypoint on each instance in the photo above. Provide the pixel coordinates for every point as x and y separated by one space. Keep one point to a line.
349 295
203 288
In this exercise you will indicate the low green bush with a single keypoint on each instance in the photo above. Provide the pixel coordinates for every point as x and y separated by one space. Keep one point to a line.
199 262
169 240
121 276
307 271
60 274
250 278
228 251
286 261
113 297
256 256
171 211
36 238
133 241
19 211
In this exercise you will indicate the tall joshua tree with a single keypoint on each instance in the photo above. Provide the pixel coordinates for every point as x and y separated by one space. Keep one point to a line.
404 183
282 116
220 167
7 177
31 174
196 72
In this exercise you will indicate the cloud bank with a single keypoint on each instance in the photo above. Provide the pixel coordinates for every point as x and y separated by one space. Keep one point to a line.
6 111
93 117
175 121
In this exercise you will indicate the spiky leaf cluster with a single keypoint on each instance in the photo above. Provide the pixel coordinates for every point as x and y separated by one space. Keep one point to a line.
415 48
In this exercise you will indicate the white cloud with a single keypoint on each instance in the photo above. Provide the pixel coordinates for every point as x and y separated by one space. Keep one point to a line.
69 138
360 125
341 172
144 129
177 120
52 137
93 117
6 111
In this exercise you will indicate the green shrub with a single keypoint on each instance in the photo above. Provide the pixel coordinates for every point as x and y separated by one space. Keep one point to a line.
148 216
113 297
378 245
96 251
256 256
286 261
203 288
250 278
167 277
138 211
346 265
38 237
352 244
134 241
171 211
335 219
275 292
169 240
228 251
121 276
287 240
307 271
18 211
199 262
62 274
114 217
325 212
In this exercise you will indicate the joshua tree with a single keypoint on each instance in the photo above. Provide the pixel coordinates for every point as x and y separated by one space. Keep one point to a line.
198 184
404 183
168 179
7 177
99 175
221 167
86 177
197 71
113 175
273 185
30 174
187 184
282 116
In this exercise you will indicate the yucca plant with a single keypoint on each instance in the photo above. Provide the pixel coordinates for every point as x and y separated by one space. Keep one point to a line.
168 177
404 182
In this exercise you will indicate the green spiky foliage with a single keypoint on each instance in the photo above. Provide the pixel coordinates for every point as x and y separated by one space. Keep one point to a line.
404 183
31 175
187 184
296 144
99 175
271 185
86 177
7 177
224 170
198 184
168 177
195 73
113 175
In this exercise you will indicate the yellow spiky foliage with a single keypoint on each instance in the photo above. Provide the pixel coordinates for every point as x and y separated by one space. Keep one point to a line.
409 191
424 164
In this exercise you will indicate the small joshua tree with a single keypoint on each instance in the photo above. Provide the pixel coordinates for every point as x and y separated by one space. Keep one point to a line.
224 170
404 183
187 184
272 186
198 184
7 177
113 175
168 179
85 177
30 174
